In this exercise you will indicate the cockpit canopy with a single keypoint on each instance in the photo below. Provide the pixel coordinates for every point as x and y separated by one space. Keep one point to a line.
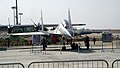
65 23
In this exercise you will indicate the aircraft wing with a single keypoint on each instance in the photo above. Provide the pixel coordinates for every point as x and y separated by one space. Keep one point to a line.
78 24
55 32
86 31
5 27
31 33
38 33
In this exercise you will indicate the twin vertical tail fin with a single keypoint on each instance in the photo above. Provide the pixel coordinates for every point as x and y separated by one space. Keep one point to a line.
42 20
39 26
69 19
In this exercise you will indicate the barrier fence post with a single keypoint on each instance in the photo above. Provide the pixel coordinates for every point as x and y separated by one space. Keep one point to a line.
116 43
116 64
12 65
102 47
79 47
112 47
60 50
70 63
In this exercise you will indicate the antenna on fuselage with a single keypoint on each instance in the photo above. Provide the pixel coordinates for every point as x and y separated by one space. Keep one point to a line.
69 18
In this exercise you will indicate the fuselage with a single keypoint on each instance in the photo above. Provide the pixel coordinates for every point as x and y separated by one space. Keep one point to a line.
64 28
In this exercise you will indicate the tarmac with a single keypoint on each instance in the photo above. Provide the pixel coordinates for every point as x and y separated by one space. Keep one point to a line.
25 55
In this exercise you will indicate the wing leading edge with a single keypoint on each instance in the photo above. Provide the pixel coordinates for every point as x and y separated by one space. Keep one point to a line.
31 33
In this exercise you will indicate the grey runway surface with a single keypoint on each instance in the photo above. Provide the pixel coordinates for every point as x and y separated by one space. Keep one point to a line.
24 55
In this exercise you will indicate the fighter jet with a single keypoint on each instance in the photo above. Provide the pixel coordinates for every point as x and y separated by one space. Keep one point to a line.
64 28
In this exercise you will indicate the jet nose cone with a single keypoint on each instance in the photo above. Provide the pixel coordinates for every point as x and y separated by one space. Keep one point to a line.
71 32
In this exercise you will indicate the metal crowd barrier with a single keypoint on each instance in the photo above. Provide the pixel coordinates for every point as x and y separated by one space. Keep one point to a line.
116 64
11 65
70 64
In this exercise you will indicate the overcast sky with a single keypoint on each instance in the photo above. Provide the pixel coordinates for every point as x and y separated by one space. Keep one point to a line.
94 13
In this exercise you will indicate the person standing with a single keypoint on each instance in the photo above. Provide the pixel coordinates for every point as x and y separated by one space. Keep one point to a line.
86 40
94 40
44 44
63 41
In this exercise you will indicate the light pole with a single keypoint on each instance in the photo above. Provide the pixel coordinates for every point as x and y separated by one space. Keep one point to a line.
20 17
14 13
